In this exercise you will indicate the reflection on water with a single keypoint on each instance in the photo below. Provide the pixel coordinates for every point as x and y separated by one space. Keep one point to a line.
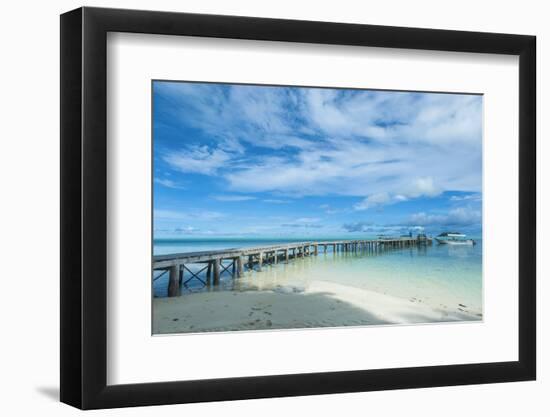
440 275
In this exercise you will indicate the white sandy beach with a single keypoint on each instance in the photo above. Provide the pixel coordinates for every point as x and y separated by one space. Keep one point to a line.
320 304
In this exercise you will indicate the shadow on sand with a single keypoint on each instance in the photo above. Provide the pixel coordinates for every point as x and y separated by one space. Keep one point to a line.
268 310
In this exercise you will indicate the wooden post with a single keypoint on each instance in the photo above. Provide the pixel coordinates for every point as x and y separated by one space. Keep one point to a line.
173 282
209 274
276 256
286 255
239 266
260 260
234 267
216 272
315 250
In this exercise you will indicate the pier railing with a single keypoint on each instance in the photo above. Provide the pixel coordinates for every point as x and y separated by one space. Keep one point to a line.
177 265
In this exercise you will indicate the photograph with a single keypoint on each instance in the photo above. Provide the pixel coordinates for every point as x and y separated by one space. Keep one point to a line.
281 204
292 207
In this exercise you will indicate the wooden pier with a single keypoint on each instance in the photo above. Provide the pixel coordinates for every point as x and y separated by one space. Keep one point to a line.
212 262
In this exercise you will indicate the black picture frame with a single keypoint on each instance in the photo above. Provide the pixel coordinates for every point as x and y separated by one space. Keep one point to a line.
84 207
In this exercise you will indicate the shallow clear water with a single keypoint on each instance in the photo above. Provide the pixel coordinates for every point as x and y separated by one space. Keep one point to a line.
439 275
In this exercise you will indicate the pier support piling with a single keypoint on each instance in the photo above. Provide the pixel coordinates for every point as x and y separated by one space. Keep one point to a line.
216 268
209 274
174 281
239 262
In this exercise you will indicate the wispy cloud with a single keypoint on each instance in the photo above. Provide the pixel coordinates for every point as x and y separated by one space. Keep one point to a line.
185 215
374 200
457 217
305 222
169 183
360 150
461 216
328 209
420 187
368 227
275 201
188 230
233 197
303 225
200 160
467 197
355 143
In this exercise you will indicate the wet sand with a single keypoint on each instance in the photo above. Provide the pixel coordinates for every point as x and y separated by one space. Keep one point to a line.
320 304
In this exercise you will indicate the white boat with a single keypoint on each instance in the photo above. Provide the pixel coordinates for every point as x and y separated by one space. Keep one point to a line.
454 238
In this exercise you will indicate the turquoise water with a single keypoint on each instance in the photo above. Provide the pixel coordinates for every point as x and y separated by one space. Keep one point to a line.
439 275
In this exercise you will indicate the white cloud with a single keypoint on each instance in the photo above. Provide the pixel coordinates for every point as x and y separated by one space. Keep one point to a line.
200 160
433 119
423 187
456 217
365 144
162 214
373 200
308 220
275 201
186 230
233 197
168 183
368 227
467 197
420 187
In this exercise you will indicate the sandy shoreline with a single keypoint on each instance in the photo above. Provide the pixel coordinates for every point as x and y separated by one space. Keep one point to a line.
321 304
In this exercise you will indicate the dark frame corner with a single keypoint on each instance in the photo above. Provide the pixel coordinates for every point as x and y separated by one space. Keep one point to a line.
83 207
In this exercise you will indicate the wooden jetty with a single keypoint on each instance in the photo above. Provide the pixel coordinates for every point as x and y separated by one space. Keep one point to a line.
176 265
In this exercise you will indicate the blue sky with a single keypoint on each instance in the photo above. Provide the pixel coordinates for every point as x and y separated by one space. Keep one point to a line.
239 160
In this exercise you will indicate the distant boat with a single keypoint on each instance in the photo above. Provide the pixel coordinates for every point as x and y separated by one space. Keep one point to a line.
454 238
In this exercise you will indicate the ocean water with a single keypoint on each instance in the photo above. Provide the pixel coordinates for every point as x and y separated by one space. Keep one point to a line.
438 275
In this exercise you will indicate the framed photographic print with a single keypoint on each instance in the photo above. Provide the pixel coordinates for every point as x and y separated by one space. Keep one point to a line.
258 207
